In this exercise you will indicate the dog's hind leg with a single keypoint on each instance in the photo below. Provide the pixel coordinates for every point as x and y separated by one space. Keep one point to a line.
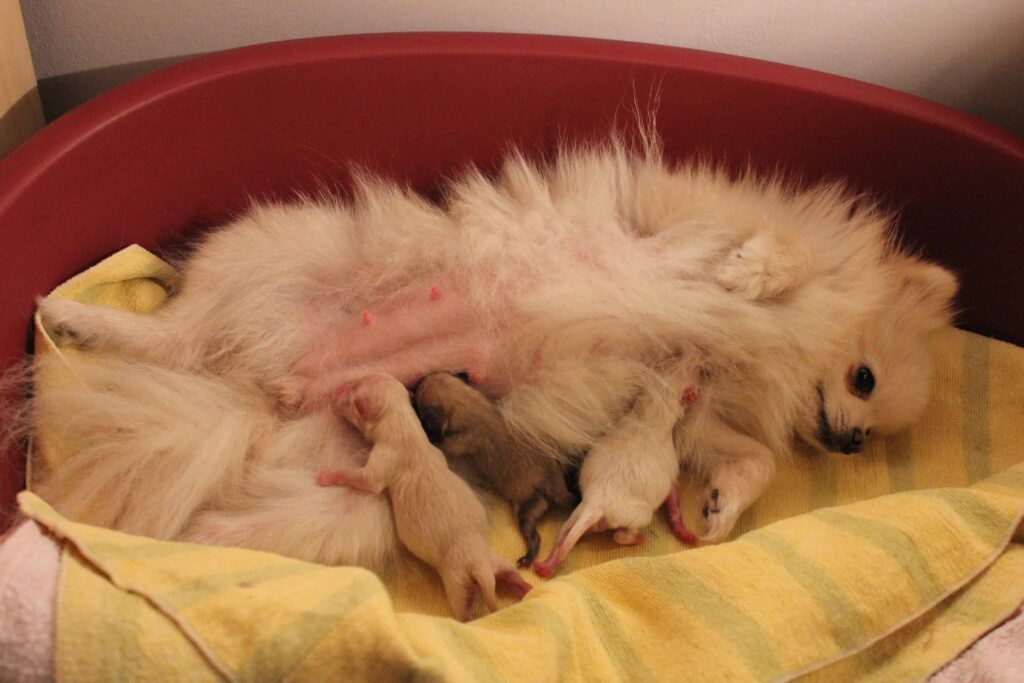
149 337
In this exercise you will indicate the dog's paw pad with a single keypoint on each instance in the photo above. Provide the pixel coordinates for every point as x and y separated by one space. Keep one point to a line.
719 513
63 335
711 505
66 335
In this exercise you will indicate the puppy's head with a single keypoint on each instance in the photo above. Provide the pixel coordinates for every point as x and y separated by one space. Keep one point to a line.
365 401
436 398
883 383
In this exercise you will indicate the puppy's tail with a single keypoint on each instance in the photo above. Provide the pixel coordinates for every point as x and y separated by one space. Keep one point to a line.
527 516
585 516
137 447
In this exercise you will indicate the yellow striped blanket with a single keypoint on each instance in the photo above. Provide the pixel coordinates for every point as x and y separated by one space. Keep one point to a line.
888 588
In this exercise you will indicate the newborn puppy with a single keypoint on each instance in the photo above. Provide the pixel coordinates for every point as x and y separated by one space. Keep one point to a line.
630 473
465 424
437 516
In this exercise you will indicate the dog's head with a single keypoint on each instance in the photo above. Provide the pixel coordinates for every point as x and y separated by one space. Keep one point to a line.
882 384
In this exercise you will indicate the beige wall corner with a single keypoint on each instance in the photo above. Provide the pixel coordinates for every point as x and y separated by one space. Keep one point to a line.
20 111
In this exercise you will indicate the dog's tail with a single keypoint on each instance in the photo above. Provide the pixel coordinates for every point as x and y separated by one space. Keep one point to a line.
137 447
283 510
179 456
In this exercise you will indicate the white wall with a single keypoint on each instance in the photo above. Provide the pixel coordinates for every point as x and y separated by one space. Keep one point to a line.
968 54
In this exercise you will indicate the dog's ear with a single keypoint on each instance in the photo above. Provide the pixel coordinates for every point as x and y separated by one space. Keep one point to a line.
929 290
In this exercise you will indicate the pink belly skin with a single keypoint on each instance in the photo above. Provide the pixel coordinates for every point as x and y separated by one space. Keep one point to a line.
409 319
432 328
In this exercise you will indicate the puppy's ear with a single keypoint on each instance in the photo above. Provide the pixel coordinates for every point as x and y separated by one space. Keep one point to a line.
368 407
928 289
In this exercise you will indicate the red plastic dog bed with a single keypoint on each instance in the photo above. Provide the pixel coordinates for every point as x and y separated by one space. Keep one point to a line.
183 148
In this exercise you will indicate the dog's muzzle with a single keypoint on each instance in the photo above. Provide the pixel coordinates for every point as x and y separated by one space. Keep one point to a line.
852 441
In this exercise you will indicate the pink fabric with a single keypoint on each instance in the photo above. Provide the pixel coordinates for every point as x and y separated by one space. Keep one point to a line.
998 657
29 569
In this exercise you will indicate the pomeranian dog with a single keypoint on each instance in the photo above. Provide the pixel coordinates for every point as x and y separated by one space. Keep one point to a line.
558 288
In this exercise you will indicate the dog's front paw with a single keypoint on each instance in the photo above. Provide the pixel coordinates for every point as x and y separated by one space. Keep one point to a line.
763 268
66 322
741 274
720 511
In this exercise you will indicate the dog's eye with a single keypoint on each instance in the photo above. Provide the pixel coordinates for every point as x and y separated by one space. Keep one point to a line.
863 381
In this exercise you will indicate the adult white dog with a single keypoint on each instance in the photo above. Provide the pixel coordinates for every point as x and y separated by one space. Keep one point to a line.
558 288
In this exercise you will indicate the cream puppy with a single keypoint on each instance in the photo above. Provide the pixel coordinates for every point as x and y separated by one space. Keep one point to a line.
437 516
627 476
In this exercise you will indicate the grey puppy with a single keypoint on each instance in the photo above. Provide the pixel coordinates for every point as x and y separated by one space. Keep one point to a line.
465 425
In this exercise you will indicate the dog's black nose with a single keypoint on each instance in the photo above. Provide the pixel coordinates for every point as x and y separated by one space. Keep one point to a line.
853 442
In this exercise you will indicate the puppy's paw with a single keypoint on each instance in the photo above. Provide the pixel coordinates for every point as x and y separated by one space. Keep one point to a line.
510 581
629 537
720 511
763 267
68 323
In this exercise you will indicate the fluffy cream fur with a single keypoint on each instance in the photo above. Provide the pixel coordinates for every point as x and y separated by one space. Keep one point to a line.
564 287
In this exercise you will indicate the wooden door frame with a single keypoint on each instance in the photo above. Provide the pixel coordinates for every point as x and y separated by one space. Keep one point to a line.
21 113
